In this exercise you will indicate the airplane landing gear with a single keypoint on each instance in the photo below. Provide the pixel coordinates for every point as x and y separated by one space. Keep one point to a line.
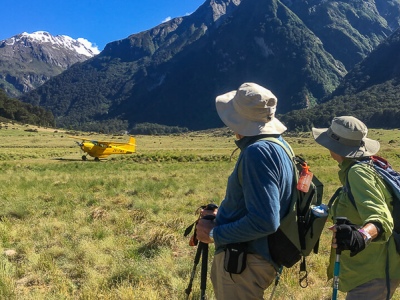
97 159
84 157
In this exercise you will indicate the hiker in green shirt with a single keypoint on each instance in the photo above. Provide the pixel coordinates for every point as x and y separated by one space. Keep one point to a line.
371 269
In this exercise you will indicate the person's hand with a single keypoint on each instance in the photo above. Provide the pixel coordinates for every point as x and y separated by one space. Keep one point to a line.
347 237
203 229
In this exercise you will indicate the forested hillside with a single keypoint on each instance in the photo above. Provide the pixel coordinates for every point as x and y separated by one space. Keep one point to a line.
378 106
15 110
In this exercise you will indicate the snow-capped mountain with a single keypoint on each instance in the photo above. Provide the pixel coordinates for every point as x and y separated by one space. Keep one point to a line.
29 60
79 45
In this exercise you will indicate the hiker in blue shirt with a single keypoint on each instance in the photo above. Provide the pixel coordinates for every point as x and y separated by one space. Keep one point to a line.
258 194
371 269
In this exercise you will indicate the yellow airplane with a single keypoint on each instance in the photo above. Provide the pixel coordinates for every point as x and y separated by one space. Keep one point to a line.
102 149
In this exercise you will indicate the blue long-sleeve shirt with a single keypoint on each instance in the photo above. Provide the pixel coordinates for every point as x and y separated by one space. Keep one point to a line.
254 205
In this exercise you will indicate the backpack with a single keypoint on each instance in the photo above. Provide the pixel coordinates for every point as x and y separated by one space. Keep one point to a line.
299 231
392 181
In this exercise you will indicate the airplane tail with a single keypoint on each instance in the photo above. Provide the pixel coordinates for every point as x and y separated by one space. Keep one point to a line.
131 146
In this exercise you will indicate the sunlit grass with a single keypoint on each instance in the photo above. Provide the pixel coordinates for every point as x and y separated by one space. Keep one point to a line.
114 230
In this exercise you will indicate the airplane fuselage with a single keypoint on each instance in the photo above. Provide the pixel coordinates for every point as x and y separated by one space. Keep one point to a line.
99 149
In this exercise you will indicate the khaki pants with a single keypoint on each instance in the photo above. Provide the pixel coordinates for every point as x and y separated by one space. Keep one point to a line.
375 289
250 284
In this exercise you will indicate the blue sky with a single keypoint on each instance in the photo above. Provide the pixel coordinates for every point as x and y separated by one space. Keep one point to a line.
98 21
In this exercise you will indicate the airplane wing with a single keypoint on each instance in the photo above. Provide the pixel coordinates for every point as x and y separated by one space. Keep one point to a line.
80 138
107 143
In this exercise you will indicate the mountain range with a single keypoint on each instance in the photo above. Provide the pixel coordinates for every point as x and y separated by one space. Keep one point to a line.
370 92
29 60
171 74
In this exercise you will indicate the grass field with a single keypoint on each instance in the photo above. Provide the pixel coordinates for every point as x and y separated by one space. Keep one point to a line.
114 229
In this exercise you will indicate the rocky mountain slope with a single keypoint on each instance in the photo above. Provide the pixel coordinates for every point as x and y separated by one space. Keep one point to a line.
349 30
29 60
382 65
370 91
171 74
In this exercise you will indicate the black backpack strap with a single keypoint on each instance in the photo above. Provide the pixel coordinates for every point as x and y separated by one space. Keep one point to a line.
347 188
334 196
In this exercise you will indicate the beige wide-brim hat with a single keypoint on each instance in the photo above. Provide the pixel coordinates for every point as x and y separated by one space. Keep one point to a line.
250 110
347 136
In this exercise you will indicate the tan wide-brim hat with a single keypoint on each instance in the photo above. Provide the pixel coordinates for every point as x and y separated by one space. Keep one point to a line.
250 110
347 136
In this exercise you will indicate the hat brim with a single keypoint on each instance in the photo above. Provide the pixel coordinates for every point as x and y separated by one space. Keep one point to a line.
371 147
243 126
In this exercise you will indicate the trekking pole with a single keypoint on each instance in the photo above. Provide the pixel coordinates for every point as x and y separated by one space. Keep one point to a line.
204 263
336 271
203 275
202 252
196 262
277 278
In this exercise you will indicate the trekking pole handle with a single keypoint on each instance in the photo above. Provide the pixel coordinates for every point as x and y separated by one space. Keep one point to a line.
340 221
208 217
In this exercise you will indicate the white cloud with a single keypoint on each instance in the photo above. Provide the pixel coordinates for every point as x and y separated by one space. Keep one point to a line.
169 18
93 47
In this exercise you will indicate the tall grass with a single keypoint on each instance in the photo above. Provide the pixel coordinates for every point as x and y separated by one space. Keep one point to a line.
114 230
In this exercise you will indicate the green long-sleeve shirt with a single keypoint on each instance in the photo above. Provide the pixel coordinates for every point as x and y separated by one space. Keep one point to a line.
373 201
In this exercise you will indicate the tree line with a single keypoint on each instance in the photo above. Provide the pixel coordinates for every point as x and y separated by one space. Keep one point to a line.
14 109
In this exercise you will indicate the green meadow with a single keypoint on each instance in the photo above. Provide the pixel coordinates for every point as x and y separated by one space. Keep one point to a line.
114 229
